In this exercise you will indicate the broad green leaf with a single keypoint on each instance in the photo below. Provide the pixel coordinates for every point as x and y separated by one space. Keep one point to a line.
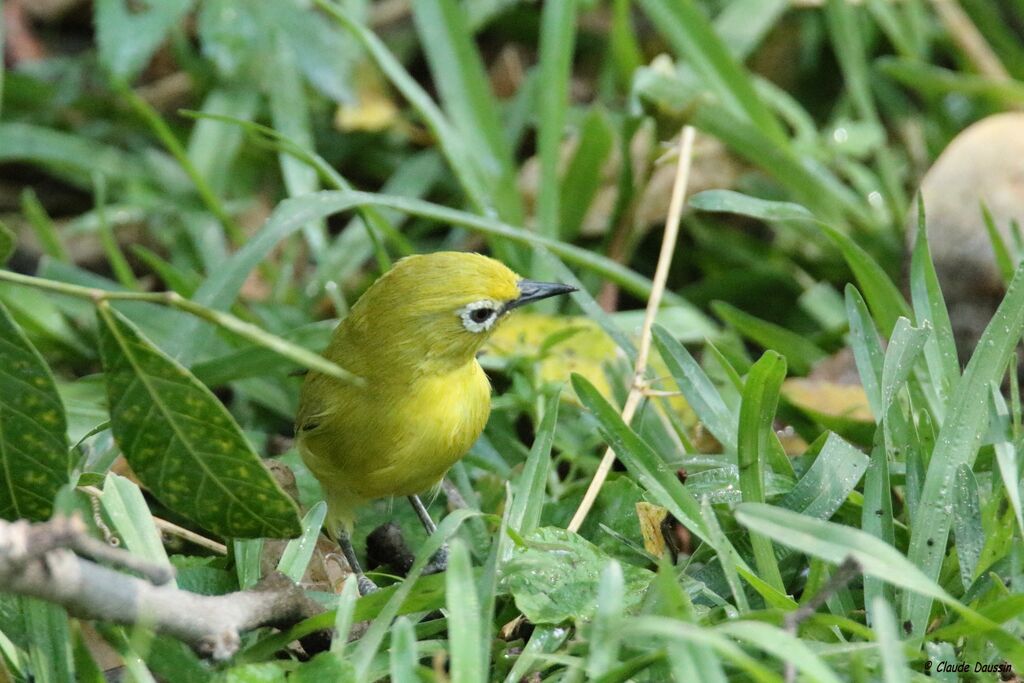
757 414
464 625
34 460
183 444
555 577
958 442
128 35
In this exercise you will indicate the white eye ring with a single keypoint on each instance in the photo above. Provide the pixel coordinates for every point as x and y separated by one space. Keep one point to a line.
473 321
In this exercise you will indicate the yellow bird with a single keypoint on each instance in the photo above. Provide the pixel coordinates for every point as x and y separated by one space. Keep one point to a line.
413 337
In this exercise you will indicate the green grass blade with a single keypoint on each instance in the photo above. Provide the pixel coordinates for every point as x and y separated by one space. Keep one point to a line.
369 644
970 537
289 112
531 489
800 354
894 662
824 487
641 460
465 91
299 551
131 519
582 180
463 164
464 624
782 645
728 558
834 543
557 43
288 214
693 37
603 647
1001 436
1004 260
757 413
877 516
700 393
958 442
344 612
867 350
842 20
930 309
905 345
403 657
49 641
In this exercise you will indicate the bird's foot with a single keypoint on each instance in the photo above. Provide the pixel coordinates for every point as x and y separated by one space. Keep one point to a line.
439 562
365 585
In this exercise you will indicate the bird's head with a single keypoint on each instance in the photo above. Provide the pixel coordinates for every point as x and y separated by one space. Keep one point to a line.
442 307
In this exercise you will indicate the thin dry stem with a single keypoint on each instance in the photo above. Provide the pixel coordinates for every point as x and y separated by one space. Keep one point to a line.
639 385
967 36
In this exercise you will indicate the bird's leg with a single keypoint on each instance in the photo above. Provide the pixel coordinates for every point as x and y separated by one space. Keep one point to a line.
439 562
364 584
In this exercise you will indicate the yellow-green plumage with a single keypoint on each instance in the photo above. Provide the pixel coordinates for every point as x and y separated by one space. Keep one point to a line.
413 339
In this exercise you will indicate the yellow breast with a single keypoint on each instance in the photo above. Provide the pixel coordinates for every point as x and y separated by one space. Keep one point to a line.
395 440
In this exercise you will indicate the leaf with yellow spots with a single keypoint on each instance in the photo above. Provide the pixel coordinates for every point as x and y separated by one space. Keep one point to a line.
34 459
183 444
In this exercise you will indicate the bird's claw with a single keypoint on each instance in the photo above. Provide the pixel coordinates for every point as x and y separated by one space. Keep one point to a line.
439 562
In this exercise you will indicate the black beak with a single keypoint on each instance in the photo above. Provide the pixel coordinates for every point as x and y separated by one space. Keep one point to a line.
530 291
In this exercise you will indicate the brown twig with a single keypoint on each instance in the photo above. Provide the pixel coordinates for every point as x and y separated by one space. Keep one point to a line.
37 560
639 384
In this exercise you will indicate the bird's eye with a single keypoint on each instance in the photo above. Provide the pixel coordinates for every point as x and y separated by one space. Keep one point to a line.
481 315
